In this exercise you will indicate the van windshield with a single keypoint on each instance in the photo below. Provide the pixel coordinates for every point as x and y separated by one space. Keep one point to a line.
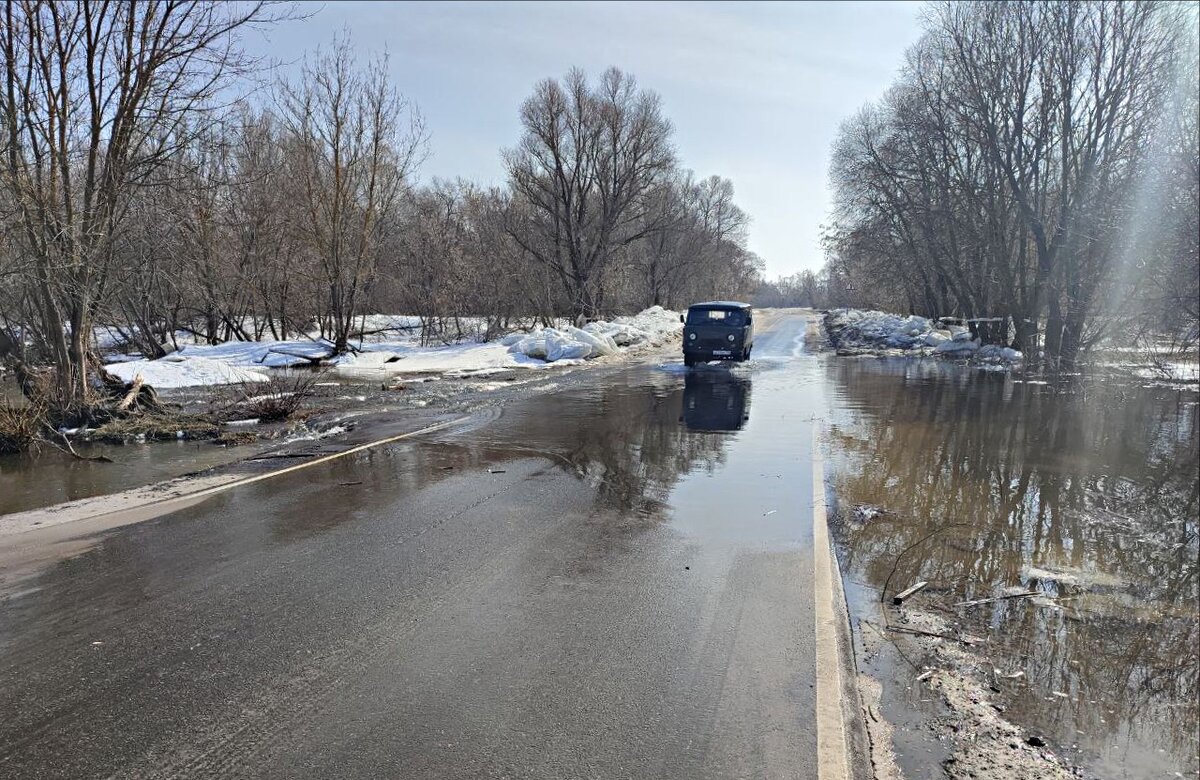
730 318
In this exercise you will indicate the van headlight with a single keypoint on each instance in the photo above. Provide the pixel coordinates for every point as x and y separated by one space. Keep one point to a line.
692 336
731 337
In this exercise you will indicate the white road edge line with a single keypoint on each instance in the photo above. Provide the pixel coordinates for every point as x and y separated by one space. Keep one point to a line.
326 458
832 754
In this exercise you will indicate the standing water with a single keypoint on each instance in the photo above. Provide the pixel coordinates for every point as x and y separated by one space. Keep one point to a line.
1086 493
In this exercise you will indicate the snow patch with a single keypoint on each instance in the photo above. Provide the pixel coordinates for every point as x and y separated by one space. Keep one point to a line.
178 370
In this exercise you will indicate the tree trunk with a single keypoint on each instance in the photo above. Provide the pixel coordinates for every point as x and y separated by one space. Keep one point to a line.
1054 331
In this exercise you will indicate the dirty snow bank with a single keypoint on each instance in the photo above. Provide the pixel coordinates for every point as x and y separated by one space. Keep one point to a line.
653 327
233 362
863 332
460 359
537 348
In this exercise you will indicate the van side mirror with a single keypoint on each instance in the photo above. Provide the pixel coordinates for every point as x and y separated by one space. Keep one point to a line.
681 318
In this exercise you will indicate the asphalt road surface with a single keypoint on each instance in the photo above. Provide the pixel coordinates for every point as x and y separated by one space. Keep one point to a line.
611 580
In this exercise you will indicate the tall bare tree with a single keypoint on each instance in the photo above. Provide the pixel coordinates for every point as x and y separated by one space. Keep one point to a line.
96 95
587 159
357 139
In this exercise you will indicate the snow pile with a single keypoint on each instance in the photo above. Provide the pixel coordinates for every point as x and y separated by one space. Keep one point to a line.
859 328
994 354
181 371
566 343
406 357
1171 372
652 327
269 354
392 346
860 332
369 360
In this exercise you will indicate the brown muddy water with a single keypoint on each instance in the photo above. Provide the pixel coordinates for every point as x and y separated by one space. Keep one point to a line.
1086 492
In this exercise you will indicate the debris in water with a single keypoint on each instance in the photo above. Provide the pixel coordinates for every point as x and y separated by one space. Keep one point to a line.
1020 595
864 513
909 591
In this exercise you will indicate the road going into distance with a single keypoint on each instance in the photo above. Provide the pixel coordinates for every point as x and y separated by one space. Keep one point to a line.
615 579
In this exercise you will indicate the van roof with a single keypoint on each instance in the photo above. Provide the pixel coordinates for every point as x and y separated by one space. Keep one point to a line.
720 305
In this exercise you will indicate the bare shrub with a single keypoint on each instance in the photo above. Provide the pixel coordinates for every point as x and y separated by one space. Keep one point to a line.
20 427
283 397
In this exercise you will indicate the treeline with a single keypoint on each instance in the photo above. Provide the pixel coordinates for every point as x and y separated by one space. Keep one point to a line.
135 194
1034 164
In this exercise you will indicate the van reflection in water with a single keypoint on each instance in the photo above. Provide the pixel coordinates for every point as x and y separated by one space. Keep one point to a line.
715 400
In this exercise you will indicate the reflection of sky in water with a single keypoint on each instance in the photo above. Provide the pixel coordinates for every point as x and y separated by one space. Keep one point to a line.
764 483
1089 494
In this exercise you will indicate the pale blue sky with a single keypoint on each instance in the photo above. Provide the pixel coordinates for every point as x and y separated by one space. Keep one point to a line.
755 91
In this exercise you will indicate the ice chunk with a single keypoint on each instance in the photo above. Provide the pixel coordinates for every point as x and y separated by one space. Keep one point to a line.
936 337
957 346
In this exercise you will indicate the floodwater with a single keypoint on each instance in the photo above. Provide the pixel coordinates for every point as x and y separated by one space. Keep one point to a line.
49 477
1086 492
615 576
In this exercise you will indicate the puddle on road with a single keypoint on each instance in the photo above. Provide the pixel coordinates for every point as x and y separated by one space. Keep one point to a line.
1088 493
693 448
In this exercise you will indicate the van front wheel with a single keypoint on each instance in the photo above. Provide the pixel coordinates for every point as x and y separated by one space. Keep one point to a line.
689 361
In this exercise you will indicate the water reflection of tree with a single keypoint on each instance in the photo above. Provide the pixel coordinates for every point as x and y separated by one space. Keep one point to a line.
628 439
1099 479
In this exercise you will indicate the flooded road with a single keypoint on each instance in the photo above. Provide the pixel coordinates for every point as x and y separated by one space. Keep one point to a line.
616 580
1085 493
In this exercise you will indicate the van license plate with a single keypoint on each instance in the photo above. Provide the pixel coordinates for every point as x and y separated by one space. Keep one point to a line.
721 352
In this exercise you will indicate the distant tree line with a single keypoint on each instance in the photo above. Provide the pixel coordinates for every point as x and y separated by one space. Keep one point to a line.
1034 163
134 194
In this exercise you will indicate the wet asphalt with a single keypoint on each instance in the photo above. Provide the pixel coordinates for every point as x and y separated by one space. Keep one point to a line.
610 581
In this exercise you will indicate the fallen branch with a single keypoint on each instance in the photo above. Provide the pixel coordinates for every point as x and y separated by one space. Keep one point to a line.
135 387
70 450
1021 595
906 550
920 632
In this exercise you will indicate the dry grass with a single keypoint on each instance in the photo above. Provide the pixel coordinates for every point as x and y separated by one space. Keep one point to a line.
20 427
236 438
156 427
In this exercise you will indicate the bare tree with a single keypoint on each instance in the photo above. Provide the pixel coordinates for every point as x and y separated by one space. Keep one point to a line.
584 165
356 140
1002 177
96 95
